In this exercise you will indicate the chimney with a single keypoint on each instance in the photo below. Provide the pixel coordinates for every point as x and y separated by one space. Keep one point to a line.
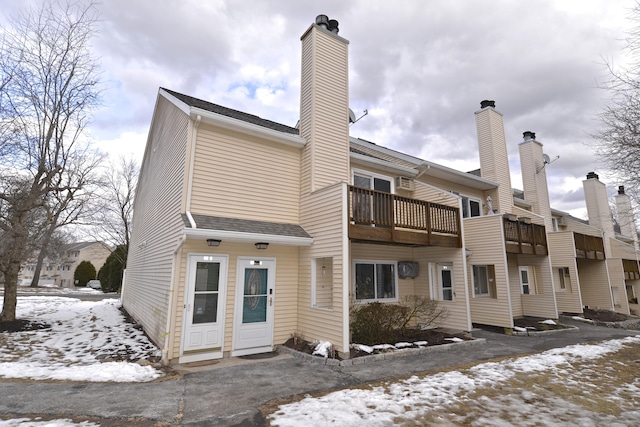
625 216
494 159
324 105
534 177
595 195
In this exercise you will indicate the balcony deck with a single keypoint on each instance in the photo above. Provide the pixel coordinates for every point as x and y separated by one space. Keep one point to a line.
589 247
378 217
524 237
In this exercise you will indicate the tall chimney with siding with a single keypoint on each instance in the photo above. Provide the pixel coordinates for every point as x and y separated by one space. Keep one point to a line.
595 195
494 159
324 105
625 216
534 177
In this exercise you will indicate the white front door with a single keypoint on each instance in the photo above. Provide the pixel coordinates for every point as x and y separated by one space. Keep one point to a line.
255 288
203 331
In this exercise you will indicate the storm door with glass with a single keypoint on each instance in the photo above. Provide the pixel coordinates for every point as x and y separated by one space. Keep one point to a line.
204 304
253 328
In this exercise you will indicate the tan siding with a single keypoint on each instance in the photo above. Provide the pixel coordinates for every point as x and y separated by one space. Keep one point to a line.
325 108
622 250
494 162
582 228
458 317
535 219
542 302
618 285
483 237
563 254
156 221
268 187
594 284
428 193
322 217
285 296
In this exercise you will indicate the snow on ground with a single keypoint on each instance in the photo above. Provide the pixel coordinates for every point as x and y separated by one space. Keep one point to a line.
28 422
87 341
432 397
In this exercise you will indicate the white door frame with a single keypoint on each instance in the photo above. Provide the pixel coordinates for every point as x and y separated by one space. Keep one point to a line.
265 330
204 353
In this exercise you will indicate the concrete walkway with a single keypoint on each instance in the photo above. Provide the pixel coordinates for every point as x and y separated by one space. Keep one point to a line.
229 392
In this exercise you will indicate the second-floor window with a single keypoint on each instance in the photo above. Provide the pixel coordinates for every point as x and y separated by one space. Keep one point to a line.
373 208
471 207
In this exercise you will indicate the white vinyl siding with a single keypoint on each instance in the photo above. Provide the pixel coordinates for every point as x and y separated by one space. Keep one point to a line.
156 221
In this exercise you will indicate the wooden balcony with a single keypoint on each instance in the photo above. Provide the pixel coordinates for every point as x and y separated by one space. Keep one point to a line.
524 237
588 247
378 217
631 270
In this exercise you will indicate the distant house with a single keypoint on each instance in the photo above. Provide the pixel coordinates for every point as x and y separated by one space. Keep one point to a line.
60 272
246 231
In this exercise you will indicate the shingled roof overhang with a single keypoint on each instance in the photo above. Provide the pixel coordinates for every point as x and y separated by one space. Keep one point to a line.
235 120
245 231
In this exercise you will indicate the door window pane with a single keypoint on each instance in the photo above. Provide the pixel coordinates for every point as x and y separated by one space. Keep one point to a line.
207 276
447 285
205 308
254 307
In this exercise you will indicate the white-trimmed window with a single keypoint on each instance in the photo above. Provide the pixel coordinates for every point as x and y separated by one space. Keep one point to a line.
484 281
471 207
375 281
442 287
373 181
564 280
322 283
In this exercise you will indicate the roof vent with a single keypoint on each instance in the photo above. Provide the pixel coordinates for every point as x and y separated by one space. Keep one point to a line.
327 24
621 189
528 135
592 175
487 103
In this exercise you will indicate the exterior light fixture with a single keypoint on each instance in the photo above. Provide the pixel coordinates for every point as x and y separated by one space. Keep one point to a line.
213 242
262 245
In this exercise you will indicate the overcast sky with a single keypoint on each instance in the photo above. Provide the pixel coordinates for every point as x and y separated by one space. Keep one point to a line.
420 68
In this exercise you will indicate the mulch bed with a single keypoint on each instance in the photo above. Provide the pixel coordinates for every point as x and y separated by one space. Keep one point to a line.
533 324
605 315
431 336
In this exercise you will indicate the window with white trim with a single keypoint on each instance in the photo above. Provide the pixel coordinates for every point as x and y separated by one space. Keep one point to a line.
484 281
375 281
322 283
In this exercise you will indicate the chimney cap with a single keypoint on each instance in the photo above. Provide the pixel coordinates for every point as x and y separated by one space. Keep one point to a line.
487 103
592 175
621 189
322 20
528 135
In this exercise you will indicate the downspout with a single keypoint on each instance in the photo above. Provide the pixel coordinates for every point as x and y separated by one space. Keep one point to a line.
192 156
165 349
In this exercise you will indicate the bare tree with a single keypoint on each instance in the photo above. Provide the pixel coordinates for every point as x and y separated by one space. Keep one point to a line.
618 138
50 91
116 210
68 206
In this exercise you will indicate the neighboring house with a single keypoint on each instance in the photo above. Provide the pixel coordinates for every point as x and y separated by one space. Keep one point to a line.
246 231
60 272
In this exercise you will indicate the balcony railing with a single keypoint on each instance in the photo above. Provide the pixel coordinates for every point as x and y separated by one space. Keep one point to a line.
376 216
589 247
524 237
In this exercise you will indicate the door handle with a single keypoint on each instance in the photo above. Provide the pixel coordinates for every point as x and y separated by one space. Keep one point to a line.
270 302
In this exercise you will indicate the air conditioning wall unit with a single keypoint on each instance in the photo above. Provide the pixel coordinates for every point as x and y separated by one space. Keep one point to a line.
404 183
562 220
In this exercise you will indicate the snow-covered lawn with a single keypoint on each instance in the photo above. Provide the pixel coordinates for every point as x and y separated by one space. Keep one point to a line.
586 385
87 341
